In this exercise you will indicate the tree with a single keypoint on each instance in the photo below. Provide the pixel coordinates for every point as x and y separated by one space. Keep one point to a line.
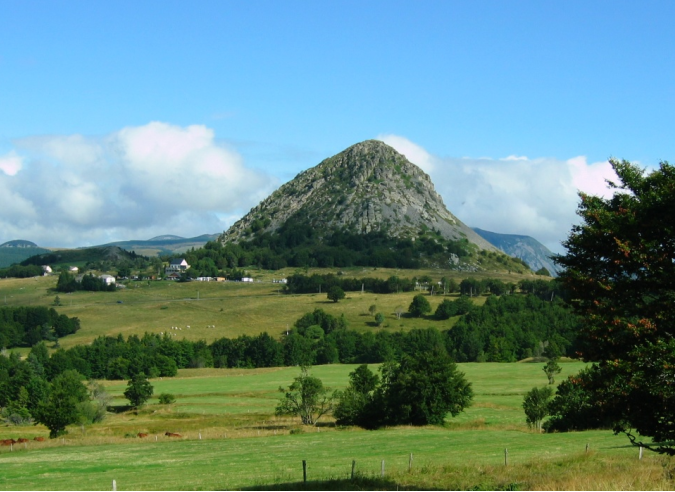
620 271
355 403
422 389
306 398
139 390
551 369
445 310
61 408
419 306
379 319
372 309
335 293
536 406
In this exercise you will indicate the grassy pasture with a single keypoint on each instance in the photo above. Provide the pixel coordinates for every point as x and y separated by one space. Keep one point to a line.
243 445
234 308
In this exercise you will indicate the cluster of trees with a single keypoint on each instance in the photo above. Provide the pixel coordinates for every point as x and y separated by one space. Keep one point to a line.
26 326
505 329
68 283
20 271
511 328
303 284
32 391
28 393
420 389
298 244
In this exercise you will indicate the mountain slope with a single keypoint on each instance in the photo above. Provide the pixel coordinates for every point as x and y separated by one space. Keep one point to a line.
366 206
528 249
367 187
163 245
18 250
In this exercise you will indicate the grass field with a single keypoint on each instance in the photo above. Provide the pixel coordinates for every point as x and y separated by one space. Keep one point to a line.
231 440
234 308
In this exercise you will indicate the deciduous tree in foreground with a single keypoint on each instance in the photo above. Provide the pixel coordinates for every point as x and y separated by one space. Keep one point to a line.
620 269
306 398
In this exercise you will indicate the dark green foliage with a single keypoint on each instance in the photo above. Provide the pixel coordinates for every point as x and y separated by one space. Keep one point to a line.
420 390
19 271
423 389
620 269
139 390
297 244
536 406
67 283
511 328
379 319
327 322
355 404
575 406
26 326
166 399
419 306
306 398
335 293
61 408
447 309
551 369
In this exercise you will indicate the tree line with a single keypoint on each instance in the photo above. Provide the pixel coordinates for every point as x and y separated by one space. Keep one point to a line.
504 329
25 326
89 282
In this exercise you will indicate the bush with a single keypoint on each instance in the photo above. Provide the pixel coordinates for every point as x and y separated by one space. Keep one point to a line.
166 399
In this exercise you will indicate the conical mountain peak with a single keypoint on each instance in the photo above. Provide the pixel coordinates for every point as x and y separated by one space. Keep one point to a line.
368 187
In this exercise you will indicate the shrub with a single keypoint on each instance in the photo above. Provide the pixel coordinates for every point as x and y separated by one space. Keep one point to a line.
166 399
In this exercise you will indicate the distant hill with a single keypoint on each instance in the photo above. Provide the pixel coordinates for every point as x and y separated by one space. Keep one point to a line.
526 248
18 250
163 245
110 255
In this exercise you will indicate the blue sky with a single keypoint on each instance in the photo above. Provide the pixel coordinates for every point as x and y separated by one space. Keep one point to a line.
131 119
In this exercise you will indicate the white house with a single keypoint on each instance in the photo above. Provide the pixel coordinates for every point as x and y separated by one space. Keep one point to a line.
73 269
177 266
108 279
46 269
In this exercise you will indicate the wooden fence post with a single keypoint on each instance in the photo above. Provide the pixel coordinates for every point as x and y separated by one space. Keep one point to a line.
640 452
114 486
410 463
353 466
382 470
587 447
304 471
506 457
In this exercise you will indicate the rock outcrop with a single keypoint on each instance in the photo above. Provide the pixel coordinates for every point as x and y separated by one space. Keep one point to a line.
367 187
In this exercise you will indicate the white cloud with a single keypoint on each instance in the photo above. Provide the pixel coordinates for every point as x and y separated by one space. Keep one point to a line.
413 152
515 194
136 183
11 163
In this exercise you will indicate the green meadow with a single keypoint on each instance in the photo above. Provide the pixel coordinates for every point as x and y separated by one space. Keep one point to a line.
230 439
212 310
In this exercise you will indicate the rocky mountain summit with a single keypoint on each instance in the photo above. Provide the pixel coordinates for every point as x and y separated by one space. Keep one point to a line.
366 188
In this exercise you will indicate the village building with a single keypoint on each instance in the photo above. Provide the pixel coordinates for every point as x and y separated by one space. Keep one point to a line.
176 268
